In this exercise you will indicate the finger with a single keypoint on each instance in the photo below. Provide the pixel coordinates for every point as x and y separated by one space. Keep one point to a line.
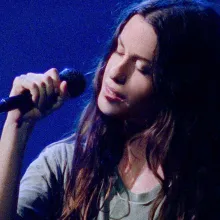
46 90
54 74
38 80
43 95
17 87
64 90
62 96
49 85
23 83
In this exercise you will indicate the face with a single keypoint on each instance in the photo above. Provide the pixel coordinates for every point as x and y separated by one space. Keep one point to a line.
127 82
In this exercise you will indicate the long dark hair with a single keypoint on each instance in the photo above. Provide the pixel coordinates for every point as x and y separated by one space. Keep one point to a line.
183 137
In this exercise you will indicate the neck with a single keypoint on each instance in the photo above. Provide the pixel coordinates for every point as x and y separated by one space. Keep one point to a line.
133 127
134 170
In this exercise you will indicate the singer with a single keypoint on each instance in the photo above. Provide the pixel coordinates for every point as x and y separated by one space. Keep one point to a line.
147 145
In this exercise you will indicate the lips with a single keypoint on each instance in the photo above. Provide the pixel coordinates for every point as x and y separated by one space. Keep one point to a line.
112 94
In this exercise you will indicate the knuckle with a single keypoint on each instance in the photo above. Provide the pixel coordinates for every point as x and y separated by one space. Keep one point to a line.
30 74
16 79
54 70
42 84
53 73
33 86
48 78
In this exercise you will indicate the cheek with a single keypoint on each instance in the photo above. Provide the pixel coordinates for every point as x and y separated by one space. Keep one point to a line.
141 96
112 63
141 88
106 71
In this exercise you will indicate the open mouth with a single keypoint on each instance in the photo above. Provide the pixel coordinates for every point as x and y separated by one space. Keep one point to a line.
112 95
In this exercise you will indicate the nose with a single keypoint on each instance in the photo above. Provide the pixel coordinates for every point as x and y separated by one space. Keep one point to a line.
120 71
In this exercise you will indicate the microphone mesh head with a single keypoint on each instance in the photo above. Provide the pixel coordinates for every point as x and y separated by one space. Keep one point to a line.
76 82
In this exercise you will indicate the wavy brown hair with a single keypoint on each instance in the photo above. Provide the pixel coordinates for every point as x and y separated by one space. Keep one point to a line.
183 135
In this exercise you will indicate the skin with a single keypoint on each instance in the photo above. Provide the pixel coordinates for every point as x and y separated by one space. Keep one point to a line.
125 74
17 129
41 87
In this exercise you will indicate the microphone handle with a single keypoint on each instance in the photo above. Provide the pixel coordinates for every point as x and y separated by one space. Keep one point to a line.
23 102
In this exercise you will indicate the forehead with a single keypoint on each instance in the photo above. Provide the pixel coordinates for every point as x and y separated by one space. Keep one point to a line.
139 37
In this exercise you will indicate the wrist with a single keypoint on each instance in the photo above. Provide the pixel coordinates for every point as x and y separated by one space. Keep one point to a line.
16 133
15 120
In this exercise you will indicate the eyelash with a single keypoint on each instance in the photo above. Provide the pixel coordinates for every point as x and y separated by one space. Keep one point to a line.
145 71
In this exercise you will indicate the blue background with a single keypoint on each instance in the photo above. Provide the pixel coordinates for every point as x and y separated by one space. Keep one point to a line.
37 35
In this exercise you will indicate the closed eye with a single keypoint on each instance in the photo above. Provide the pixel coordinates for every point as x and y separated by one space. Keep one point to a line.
120 47
120 50
145 70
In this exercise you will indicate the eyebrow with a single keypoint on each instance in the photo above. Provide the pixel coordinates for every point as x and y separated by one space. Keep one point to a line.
134 55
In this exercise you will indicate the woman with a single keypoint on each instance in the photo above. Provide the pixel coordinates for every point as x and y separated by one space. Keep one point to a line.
147 146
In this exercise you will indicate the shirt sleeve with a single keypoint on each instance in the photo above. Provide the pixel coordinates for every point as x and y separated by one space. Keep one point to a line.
42 186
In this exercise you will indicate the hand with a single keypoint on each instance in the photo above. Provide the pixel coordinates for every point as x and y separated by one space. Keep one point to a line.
43 88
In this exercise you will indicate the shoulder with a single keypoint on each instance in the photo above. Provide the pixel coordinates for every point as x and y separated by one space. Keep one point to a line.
61 146
61 150
59 154
54 160
42 186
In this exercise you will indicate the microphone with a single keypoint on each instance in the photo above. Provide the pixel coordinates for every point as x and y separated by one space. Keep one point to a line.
76 84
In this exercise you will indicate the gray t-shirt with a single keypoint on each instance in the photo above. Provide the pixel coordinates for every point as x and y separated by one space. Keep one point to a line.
42 189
